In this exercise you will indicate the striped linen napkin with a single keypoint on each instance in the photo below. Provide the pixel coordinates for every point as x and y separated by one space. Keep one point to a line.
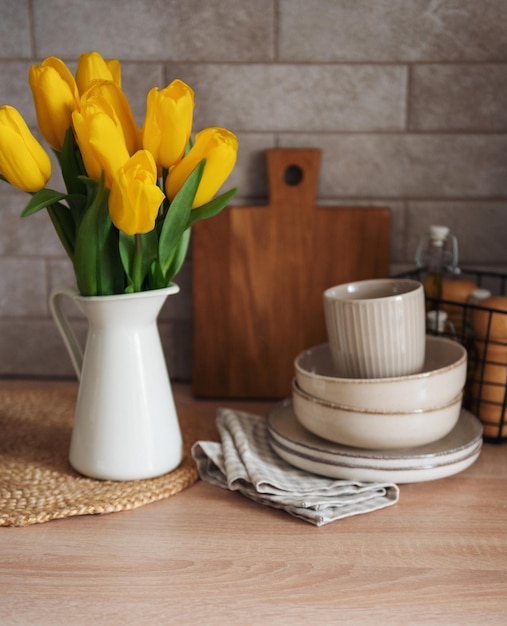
245 462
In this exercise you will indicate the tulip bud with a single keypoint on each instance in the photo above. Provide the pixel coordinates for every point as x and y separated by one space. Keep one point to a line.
91 67
55 96
100 138
168 122
23 161
135 197
219 147
110 92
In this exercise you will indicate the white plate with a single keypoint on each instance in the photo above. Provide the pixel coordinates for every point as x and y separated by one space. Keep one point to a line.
448 456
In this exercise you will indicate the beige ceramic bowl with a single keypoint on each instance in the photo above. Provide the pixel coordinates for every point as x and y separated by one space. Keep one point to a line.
441 379
374 429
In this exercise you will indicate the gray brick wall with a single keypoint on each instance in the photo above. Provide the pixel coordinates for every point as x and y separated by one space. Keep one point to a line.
407 99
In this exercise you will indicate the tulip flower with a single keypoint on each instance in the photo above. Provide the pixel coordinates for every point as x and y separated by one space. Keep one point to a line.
219 147
55 96
100 138
23 161
91 67
128 228
110 92
135 197
168 122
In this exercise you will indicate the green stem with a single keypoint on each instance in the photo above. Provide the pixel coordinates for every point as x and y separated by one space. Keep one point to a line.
62 235
164 207
137 264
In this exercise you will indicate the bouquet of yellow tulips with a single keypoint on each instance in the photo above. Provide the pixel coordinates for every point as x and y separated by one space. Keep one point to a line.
132 194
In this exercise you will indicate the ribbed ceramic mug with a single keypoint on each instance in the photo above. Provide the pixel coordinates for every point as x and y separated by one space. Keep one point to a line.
376 328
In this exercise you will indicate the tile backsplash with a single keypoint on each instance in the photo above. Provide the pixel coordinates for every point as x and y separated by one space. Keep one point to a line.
407 99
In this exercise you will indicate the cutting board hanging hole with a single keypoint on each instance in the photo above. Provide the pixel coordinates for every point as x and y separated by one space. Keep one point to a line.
293 175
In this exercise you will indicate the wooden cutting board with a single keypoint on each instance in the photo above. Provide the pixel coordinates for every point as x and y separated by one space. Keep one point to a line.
259 274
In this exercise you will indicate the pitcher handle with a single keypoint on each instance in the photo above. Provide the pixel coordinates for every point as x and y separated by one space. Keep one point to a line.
69 337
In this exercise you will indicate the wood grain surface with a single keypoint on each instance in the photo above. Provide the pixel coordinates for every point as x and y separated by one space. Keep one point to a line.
259 274
438 557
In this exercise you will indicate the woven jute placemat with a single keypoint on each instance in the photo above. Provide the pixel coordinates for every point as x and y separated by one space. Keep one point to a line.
37 483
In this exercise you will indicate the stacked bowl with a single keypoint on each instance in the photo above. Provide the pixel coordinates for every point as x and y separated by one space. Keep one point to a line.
395 412
411 420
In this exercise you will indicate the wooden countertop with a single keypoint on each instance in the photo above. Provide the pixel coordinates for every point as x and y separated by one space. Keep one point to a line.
209 556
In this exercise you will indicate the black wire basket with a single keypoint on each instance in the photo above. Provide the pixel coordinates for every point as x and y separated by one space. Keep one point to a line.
485 393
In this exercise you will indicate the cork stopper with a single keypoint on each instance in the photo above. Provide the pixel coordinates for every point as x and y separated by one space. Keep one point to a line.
438 234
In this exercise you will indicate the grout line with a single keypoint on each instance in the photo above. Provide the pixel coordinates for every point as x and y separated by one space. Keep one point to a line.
381 131
408 97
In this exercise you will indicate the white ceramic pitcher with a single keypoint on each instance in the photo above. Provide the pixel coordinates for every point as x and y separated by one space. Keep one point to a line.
126 426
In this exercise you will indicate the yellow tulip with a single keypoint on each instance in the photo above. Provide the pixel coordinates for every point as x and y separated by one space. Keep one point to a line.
114 67
168 122
23 161
110 92
100 138
91 66
219 147
135 198
55 96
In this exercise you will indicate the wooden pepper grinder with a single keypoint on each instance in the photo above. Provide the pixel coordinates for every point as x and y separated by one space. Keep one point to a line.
490 380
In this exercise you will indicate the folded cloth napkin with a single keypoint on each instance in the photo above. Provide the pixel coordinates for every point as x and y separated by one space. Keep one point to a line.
244 461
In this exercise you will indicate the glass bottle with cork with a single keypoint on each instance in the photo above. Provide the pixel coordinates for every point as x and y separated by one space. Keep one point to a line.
437 256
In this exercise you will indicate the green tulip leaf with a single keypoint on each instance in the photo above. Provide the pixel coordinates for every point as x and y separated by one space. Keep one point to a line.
149 247
137 253
212 208
127 248
77 204
178 258
155 278
97 262
41 200
61 215
71 164
177 218
64 225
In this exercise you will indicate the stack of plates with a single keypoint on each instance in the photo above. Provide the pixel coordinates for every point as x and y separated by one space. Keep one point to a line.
445 457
